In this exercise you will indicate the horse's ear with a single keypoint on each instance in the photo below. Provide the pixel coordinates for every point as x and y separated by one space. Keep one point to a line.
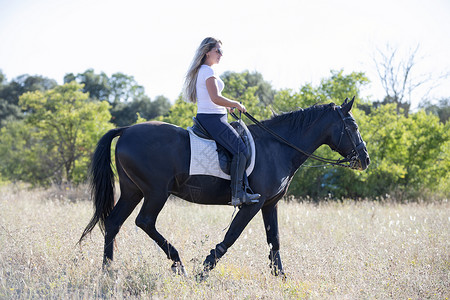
345 102
347 106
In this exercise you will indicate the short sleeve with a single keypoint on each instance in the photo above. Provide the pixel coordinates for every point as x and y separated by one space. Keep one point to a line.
204 103
207 73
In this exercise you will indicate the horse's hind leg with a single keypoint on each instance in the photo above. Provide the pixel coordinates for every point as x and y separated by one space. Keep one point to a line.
129 199
153 203
114 221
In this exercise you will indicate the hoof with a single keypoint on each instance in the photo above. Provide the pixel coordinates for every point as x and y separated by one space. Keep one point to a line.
107 265
202 276
178 268
279 273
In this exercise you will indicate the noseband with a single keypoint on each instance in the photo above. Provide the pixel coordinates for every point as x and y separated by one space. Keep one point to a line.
350 161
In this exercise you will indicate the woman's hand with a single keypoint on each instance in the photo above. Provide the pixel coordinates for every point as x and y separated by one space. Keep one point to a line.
240 107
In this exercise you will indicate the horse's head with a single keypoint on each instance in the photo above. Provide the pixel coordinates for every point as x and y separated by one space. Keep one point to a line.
346 139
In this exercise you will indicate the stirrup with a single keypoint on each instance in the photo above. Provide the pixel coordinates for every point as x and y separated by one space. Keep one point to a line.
247 199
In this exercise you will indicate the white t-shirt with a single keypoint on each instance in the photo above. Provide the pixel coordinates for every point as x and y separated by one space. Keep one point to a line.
204 102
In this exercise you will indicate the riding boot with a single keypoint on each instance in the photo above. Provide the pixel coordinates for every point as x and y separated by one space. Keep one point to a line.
239 195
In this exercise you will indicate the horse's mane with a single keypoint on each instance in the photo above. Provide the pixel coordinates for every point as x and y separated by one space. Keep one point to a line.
301 117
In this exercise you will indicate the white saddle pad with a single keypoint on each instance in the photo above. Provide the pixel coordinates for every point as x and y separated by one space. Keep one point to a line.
205 160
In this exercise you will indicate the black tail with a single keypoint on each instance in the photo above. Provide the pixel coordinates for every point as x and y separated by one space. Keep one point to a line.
102 181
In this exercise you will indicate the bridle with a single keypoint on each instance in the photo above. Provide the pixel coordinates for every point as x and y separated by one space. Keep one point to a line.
353 157
350 161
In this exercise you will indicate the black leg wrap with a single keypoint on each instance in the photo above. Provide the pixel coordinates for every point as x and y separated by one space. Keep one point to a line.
213 257
170 251
275 263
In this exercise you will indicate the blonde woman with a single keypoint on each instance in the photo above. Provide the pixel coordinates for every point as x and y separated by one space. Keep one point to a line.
204 87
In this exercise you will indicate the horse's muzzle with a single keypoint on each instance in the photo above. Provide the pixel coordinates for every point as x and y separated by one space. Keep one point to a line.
363 160
359 158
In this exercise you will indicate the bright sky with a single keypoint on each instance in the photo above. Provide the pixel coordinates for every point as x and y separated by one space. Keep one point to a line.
290 42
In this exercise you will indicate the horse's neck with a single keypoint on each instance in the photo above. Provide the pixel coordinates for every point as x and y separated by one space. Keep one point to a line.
306 138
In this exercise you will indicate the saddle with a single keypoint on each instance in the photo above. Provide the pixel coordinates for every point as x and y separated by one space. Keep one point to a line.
223 155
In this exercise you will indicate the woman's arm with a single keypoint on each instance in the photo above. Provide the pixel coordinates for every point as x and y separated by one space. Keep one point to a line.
217 98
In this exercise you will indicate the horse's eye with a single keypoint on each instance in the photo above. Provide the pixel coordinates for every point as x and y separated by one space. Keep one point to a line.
354 125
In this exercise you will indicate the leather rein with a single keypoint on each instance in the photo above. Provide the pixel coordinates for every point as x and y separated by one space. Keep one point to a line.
350 161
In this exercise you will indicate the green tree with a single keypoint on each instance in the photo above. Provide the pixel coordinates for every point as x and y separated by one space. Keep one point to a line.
10 93
310 180
334 89
410 155
62 129
126 113
440 109
97 85
180 114
252 105
427 160
287 100
123 88
237 84
387 143
340 86
126 96
158 107
21 153
115 89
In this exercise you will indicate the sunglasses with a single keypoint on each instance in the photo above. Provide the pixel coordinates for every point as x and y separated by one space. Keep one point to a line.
219 51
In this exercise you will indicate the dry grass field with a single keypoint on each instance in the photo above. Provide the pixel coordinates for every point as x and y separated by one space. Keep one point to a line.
349 250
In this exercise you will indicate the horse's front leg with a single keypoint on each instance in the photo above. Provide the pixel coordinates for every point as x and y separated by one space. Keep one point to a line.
270 216
243 217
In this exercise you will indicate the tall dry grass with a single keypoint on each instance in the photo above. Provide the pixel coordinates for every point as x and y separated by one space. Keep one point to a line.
362 250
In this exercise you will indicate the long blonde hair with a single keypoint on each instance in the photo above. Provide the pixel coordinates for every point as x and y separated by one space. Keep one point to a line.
189 90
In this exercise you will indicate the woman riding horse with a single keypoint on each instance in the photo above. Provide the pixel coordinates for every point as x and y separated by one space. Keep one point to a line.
204 87
152 163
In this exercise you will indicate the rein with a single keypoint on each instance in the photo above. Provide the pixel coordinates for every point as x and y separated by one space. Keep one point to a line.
346 162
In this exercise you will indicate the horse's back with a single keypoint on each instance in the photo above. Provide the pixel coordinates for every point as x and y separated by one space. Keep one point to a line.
154 131
154 147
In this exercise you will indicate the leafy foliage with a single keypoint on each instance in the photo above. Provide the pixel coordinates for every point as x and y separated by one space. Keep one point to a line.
237 84
180 113
126 96
49 134
409 154
440 109
54 142
10 93
124 114
310 180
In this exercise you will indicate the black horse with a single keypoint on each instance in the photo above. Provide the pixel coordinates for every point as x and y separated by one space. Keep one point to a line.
153 158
